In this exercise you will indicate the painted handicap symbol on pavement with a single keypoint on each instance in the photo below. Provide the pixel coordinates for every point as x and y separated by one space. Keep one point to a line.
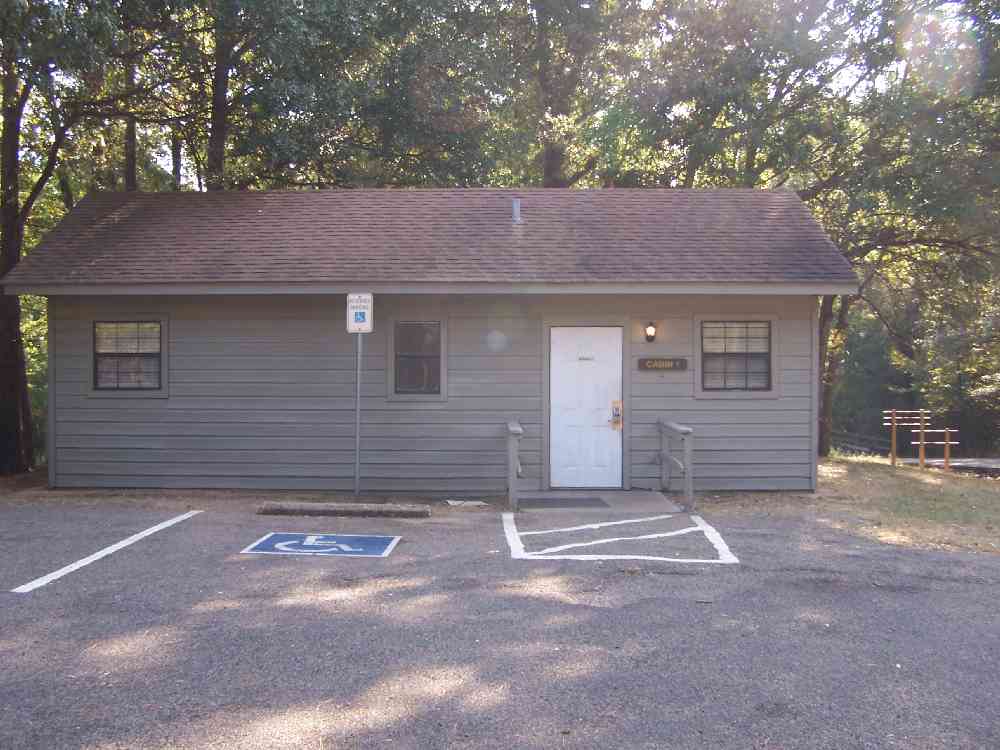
338 545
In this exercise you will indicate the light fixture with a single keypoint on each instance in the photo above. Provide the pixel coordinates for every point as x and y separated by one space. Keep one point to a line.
650 331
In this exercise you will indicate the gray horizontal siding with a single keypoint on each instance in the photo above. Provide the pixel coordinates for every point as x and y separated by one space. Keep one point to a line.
742 443
261 395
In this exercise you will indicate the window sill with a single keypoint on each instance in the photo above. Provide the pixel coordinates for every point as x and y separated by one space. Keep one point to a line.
125 393
431 397
737 395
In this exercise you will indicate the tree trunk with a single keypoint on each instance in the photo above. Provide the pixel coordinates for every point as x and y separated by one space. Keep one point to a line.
131 170
553 165
176 155
15 410
215 161
65 189
832 335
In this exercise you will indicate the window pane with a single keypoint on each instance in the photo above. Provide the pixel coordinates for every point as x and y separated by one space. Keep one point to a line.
149 338
107 372
127 338
418 374
713 380
138 372
418 338
736 337
714 363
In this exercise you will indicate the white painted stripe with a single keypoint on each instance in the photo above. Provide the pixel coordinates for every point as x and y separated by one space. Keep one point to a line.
517 551
592 526
725 555
39 582
562 547
513 538
597 558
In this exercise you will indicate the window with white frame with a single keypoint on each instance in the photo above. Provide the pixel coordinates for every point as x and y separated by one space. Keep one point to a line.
127 355
736 355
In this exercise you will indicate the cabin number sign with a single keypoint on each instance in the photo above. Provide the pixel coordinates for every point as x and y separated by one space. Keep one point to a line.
663 363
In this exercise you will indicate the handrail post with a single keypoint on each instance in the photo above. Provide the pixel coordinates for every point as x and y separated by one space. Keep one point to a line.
685 464
514 433
687 443
665 460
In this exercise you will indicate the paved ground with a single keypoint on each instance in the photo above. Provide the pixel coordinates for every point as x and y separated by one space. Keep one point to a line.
815 639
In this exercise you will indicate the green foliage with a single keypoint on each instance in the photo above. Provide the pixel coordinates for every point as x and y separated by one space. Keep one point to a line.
883 115
870 380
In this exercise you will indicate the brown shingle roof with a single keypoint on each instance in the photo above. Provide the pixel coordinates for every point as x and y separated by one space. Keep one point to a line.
445 236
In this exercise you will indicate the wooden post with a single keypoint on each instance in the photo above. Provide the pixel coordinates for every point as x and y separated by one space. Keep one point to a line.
688 446
947 449
665 467
892 444
923 449
514 433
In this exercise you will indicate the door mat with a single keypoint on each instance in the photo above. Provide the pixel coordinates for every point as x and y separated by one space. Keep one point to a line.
543 503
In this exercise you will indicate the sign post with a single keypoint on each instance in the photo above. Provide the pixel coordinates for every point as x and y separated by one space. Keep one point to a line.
359 322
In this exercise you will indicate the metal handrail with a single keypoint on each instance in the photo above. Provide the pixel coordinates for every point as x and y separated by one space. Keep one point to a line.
514 434
668 460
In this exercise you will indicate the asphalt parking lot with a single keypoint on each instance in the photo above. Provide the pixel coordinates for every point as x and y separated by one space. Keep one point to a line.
813 639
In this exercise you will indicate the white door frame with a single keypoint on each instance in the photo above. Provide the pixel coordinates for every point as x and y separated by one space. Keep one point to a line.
626 327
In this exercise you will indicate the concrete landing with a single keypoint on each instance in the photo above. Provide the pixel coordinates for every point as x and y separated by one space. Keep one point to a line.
618 501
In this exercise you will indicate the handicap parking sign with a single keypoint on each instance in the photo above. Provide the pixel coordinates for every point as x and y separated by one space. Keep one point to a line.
338 545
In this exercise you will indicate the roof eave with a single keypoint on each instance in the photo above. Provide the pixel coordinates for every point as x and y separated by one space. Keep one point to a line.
805 287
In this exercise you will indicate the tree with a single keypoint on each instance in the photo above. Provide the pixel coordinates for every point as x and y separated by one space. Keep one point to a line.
51 58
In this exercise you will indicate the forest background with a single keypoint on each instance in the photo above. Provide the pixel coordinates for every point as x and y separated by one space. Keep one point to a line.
884 116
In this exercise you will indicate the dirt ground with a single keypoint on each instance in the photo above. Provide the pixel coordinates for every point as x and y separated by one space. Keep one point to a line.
905 505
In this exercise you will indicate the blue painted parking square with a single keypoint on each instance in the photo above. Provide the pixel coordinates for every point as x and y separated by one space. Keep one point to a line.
336 545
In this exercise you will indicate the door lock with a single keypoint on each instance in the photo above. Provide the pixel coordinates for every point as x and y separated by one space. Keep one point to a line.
616 415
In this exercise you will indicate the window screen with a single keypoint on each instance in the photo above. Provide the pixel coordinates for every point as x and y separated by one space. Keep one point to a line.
418 358
127 356
736 356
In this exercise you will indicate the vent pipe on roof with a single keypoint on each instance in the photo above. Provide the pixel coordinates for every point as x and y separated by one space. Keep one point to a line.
517 210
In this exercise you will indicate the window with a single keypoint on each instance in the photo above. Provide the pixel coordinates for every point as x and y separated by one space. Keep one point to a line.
736 356
418 355
127 356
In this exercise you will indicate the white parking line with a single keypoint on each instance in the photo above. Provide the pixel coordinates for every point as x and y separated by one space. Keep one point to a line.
595 526
518 552
39 582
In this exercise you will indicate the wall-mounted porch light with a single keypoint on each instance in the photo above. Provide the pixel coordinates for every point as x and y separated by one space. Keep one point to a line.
651 332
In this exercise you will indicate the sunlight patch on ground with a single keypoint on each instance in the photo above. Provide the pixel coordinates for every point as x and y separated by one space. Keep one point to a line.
146 649
421 607
216 605
829 471
551 588
386 703
354 593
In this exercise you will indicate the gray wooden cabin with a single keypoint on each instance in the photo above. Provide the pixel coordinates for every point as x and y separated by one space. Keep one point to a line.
198 340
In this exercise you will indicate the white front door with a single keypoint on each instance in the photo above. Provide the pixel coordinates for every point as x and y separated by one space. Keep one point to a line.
585 387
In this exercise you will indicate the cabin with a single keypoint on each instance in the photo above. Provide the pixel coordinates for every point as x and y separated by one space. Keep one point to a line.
199 340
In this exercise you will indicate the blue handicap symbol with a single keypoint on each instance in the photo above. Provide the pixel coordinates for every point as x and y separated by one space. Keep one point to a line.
359 316
342 545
